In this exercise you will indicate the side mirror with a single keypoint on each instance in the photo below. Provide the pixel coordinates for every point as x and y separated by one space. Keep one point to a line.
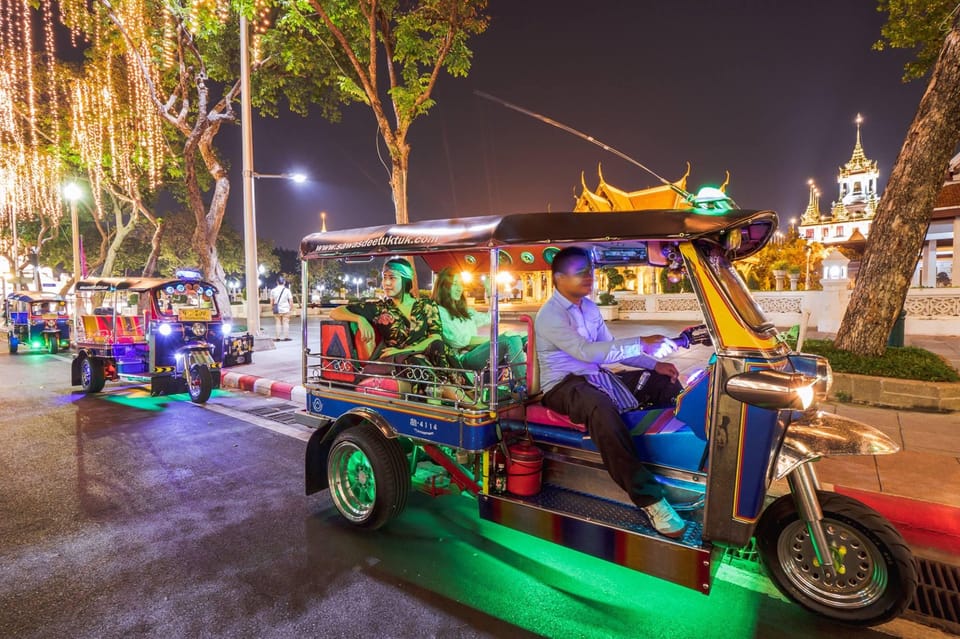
773 390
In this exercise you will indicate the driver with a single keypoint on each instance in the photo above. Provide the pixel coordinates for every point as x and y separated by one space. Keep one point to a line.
572 343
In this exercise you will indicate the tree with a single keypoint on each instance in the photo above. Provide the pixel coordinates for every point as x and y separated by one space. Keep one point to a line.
184 60
903 215
418 39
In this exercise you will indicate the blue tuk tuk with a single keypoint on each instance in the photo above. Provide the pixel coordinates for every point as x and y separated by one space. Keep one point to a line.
37 321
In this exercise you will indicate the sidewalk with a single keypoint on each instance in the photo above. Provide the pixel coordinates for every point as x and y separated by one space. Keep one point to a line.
918 489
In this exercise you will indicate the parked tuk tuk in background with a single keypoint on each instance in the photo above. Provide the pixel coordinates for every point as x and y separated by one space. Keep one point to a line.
36 321
167 333
748 418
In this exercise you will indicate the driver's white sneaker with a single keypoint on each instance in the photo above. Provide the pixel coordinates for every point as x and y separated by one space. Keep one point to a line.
665 519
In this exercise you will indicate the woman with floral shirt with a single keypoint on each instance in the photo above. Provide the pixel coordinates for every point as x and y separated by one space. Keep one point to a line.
408 331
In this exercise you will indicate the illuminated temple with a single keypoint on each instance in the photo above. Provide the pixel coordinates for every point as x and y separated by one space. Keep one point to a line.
852 213
850 217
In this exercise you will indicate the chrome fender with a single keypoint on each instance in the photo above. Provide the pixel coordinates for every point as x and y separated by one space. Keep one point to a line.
822 434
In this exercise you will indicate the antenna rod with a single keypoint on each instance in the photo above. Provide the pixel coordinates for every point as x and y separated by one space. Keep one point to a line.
584 136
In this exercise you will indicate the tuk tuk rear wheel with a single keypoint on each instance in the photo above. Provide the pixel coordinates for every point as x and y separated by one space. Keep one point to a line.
368 476
91 375
875 574
200 383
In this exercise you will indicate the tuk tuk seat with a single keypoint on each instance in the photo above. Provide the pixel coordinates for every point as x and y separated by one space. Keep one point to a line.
96 328
130 329
342 351
537 412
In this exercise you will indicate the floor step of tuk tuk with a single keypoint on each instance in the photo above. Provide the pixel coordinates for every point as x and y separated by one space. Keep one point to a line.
609 530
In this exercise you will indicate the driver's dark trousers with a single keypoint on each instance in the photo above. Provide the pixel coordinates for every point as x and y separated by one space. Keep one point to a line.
586 404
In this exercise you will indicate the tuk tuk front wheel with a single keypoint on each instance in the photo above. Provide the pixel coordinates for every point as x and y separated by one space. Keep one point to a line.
91 375
368 476
53 345
199 383
874 576
13 347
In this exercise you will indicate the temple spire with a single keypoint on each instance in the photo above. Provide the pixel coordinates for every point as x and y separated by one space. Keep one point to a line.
323 221
858 161
812 214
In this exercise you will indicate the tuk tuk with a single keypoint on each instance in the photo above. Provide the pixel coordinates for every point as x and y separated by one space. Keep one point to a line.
37 321
751 417
167 333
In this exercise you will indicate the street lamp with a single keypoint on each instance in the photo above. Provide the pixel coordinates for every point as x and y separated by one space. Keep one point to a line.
356 281
249 210
72 191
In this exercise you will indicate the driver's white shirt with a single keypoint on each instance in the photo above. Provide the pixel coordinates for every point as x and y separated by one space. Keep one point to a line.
574 339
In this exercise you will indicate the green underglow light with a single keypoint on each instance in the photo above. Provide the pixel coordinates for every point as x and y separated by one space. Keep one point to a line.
138 400
443 546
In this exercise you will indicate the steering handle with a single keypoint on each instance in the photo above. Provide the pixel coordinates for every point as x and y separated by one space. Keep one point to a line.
694 335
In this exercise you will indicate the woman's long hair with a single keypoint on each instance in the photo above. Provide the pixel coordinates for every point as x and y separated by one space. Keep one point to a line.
441 295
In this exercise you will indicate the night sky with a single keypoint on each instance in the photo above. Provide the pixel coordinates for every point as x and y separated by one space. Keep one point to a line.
766 90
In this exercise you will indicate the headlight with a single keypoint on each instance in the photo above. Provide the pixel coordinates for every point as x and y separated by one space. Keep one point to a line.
773 390
165 329
814 366
226 328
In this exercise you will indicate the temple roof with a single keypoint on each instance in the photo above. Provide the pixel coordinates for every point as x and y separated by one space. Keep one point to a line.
949 197
607 198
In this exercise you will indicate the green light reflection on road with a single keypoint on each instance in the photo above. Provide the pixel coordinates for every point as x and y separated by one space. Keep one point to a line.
442 545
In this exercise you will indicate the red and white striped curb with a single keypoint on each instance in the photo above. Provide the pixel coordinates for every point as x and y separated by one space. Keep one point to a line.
263 386
921 522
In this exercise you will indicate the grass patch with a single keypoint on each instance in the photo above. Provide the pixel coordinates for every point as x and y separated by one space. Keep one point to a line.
908 362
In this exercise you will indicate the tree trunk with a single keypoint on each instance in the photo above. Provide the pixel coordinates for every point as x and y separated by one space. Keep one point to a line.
123 230
398 183
150 268
904 212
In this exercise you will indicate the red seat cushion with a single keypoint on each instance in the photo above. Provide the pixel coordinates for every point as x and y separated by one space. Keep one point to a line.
386 387
540 414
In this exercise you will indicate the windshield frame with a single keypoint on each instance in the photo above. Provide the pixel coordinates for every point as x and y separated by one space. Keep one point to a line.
732 287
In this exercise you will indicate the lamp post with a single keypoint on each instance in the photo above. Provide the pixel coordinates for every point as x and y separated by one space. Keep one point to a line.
72 192
356 281
249 211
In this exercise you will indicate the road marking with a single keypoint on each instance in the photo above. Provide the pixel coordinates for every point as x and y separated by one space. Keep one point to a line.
290 430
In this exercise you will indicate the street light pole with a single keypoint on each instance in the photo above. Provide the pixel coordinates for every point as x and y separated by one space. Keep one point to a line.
72 192
249 213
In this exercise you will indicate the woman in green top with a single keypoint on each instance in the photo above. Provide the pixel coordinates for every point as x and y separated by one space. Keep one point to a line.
409 332
460 324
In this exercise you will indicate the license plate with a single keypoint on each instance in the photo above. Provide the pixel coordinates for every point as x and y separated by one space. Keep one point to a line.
195 315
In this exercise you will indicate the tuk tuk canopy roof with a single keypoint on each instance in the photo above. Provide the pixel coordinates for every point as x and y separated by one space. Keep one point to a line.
134 283
540 229
34 296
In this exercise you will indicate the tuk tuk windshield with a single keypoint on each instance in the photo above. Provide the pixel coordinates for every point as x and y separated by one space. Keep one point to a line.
49 308
176 298
733 286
